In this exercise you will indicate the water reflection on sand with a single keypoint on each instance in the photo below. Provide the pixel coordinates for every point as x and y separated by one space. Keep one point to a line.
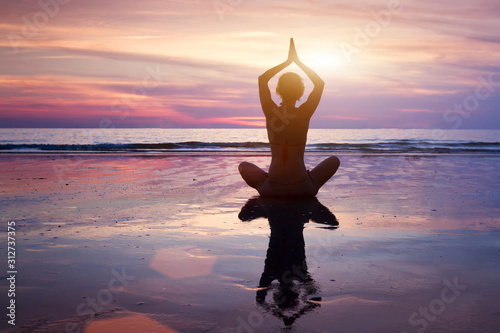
295 292
171 222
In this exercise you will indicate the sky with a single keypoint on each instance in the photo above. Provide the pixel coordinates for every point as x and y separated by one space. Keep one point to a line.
193 63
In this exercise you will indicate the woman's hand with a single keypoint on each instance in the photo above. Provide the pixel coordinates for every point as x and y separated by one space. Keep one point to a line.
292 53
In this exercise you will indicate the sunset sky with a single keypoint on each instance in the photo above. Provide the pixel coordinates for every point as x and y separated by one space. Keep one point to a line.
194 63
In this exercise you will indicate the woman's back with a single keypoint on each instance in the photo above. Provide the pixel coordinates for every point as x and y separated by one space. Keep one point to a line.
287 138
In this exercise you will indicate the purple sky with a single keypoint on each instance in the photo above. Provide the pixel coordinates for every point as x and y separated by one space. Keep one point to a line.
386 64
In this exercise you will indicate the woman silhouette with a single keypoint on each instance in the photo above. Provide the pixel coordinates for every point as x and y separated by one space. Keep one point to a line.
295 293
287 127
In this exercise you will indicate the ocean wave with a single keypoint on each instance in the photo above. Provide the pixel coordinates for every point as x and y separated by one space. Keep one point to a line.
393 147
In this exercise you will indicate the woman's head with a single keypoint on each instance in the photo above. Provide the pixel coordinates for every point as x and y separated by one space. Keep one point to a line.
290 87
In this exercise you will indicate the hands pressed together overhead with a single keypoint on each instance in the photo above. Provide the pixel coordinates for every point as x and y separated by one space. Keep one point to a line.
292 53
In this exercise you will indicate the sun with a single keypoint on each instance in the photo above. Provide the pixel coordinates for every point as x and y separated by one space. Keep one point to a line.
324 61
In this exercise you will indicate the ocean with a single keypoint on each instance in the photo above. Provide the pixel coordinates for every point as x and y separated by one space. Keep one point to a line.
248 140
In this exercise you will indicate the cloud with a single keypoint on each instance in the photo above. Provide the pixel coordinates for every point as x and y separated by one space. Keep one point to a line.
341 117
417 110
242 121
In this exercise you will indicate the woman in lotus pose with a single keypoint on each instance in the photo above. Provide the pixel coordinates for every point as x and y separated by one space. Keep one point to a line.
287 127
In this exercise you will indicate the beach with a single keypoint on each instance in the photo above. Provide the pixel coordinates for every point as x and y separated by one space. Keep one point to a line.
133 137
178 243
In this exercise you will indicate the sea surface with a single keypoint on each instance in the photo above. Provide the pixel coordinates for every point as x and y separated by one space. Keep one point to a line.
169 140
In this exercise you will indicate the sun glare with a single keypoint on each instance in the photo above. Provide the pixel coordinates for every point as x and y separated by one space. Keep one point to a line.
324 61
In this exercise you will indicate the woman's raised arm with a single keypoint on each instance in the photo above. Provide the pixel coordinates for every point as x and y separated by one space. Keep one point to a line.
312 102
264 93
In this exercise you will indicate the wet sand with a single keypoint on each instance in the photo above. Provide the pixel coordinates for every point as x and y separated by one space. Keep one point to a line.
179 243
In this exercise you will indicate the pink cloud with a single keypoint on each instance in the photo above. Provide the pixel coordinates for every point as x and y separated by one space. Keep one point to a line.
417 110
243 121
340 117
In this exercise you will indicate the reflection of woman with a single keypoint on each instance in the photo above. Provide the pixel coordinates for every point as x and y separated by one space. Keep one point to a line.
287 127
285 262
